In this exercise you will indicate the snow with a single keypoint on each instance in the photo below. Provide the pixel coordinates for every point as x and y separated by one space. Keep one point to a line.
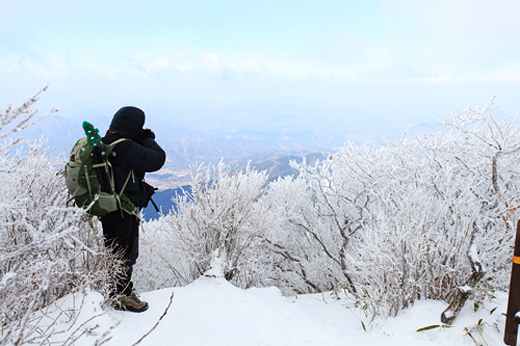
216 264
466 289
211 311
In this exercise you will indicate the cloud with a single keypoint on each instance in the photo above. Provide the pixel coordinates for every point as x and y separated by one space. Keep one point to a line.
185 66
358 52
158 64
212 63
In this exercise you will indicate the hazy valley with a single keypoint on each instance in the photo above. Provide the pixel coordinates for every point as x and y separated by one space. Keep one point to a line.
267 136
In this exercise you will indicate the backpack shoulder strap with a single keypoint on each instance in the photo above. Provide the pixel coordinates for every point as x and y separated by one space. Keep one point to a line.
112 145
119 195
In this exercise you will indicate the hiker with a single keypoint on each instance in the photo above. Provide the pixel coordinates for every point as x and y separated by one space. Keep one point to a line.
140 154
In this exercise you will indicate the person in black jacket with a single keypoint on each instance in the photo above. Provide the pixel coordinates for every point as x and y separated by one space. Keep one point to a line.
139 154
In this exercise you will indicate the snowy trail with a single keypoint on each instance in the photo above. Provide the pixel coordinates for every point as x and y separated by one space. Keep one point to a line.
213 312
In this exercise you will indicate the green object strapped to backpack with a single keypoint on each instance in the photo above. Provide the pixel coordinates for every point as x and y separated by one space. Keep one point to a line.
90 178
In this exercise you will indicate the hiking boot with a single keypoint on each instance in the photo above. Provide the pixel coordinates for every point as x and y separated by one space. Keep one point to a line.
130 303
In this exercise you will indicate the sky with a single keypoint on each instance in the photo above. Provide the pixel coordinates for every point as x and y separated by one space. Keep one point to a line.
417 58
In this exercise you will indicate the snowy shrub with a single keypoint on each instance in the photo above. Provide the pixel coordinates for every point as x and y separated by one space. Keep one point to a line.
422 217
417 218
159 264
304 252
47 249
216 227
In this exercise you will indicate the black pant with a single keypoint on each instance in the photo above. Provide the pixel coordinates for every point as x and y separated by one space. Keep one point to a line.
121 234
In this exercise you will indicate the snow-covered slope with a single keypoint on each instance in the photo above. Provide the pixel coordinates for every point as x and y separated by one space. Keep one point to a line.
212 312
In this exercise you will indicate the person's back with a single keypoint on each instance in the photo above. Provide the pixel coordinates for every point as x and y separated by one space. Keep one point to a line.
130 160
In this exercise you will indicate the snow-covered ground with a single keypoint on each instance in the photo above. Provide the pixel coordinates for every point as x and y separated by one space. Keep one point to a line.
210 311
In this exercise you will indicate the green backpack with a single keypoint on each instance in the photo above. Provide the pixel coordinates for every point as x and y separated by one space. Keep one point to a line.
90 178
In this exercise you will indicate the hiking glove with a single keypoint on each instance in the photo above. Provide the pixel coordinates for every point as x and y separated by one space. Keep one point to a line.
147 133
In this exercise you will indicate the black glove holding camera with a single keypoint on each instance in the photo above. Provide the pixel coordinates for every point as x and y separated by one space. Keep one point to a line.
147 133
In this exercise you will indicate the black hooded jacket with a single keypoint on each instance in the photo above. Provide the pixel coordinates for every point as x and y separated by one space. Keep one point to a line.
141 154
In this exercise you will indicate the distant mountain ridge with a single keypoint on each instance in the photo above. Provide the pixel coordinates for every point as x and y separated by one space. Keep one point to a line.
235 135
184 147
276 164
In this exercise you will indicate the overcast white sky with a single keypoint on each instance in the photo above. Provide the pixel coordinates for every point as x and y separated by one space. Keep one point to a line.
418 57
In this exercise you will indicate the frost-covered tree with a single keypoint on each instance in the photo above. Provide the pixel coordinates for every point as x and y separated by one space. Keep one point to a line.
216 226
419 217
161 264
46 247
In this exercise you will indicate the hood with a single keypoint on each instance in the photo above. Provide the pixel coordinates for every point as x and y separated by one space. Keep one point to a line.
128 121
